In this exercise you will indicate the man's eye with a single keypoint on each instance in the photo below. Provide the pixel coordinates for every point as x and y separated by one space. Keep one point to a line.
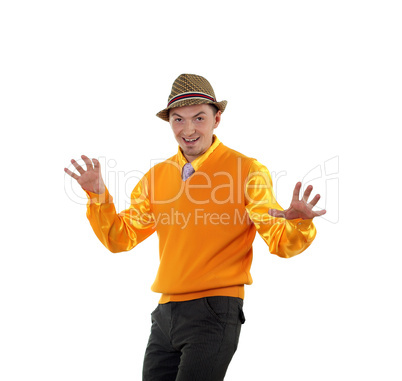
200 118
178 120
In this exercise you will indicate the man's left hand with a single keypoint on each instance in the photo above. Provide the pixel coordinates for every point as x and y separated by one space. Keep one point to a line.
299 208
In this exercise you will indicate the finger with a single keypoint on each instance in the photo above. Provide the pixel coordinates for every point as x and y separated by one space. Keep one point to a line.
276 213
314 201
296 192
77 166
96 164
72 174
87 161
319 213
307 193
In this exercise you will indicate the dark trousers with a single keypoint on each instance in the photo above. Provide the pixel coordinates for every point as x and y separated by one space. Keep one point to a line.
193 340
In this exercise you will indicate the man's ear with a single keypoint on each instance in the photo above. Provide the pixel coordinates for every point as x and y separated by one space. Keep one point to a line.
218 118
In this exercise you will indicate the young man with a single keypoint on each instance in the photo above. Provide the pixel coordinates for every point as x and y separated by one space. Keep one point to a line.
206 204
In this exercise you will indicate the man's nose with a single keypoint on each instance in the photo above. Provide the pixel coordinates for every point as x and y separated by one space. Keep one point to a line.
189 128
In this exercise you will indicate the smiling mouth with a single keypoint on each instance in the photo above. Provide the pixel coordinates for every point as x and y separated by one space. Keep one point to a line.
190 140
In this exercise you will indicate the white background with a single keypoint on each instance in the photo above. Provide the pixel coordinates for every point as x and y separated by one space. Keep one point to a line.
307 82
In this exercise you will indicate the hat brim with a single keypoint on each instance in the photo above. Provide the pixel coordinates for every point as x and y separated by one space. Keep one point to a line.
164 114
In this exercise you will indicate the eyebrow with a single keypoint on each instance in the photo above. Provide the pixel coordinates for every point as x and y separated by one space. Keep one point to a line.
201 112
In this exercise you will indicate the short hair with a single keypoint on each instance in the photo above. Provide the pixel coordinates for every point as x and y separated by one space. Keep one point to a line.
214 109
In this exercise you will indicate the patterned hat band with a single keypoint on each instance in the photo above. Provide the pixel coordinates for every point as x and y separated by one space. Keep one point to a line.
190 95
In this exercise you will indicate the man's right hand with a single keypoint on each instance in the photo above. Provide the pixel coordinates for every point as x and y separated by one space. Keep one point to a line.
91 179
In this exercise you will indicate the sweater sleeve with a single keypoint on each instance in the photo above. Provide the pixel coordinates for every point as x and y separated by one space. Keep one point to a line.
121 231
285 238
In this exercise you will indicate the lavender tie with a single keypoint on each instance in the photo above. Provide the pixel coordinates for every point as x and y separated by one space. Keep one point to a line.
188 170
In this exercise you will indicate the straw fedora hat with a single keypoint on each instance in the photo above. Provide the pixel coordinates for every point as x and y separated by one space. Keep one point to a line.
188 90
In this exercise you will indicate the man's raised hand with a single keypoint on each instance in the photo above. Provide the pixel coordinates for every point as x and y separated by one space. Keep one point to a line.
90 179
299 208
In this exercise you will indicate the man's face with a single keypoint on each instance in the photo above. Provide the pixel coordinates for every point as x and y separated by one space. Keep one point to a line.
193 128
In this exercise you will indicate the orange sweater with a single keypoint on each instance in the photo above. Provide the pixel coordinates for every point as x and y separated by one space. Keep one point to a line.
213 254
206 225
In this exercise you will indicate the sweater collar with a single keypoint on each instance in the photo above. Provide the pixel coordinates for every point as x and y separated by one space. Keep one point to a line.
201 159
